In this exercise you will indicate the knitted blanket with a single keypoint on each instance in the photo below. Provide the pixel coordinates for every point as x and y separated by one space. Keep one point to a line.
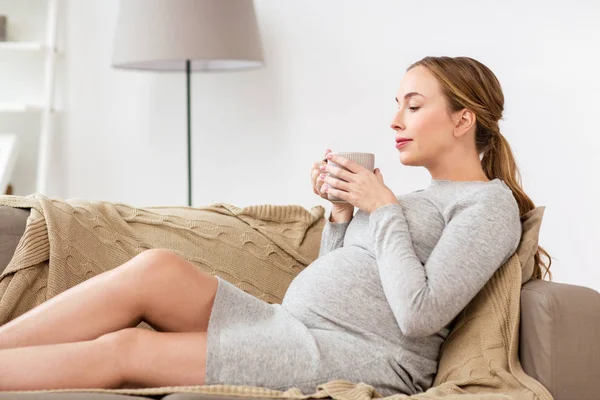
260 249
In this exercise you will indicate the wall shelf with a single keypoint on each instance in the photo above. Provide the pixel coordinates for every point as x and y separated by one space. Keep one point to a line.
19 107
22 46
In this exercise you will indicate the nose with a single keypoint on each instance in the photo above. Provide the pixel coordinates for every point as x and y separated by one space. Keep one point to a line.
397 123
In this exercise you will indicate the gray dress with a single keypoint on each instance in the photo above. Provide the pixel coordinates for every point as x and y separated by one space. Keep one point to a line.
378 302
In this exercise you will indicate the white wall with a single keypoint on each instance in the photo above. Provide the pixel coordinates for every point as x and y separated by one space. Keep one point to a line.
332 70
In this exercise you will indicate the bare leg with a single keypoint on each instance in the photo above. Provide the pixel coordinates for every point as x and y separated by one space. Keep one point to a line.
59 366
178 359
116 360
157 286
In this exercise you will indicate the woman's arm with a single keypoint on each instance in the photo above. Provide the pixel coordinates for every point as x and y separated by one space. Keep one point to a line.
474 244
335 229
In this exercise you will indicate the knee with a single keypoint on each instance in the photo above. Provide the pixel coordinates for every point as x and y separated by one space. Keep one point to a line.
121 339
155 271
158 255
120 346
158 262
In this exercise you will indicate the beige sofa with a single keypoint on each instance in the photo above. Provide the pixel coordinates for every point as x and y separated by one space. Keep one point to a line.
560 327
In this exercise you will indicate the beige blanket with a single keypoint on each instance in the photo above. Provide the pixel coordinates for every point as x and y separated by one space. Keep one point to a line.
260 249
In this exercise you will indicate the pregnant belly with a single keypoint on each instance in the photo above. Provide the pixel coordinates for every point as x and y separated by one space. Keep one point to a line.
340 289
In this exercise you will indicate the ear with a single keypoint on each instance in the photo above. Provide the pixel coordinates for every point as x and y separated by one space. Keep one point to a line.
464 121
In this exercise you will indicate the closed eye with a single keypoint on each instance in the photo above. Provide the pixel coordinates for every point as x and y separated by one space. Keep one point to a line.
413 109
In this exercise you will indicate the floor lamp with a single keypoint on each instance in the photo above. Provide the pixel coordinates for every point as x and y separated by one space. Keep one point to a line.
187 35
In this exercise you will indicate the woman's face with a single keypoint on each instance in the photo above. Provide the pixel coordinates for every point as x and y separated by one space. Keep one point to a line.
422 116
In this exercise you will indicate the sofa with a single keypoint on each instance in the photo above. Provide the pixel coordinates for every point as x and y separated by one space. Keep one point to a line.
559 331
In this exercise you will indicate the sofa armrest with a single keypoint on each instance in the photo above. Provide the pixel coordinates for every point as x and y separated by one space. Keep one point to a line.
12 227
559 332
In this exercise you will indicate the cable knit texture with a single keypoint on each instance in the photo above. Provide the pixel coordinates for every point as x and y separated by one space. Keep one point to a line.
260 249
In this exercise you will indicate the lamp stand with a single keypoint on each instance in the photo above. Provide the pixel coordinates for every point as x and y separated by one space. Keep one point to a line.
189 131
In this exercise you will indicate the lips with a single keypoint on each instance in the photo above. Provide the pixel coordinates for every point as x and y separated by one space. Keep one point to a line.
402 140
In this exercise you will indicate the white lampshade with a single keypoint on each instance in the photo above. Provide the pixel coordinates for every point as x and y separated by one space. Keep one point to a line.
162 34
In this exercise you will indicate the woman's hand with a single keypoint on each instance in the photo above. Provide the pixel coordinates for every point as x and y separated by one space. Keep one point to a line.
358 186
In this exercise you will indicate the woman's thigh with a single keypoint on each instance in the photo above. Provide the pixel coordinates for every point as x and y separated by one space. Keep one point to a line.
153 359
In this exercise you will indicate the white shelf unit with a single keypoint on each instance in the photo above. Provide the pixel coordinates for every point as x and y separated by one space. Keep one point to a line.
22 46
19 107
45 107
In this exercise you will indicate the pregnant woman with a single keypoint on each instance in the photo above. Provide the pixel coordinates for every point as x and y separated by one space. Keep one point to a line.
374 307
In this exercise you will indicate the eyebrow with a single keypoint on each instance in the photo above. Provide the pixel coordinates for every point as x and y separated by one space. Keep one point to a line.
411 94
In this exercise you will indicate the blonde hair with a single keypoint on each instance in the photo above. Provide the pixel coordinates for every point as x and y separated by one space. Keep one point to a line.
467 83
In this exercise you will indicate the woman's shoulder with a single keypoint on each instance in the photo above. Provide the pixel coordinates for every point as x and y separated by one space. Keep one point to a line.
495 192
451 198
456 193
489 202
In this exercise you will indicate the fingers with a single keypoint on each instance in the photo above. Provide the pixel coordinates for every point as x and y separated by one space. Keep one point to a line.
339 172
315 179
350 165
336 183
315 172
315 168
317 164
322 191
319 186
336 171
314 175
